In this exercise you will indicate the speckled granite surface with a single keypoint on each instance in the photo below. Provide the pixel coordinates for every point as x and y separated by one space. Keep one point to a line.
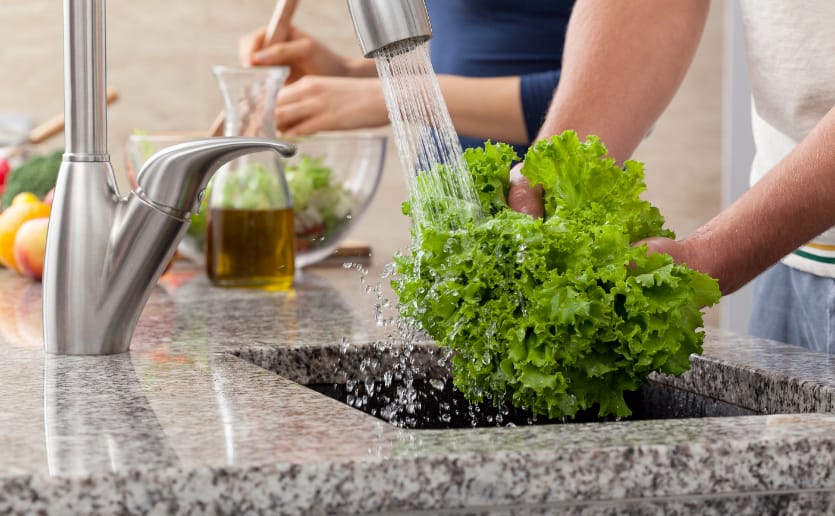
187 423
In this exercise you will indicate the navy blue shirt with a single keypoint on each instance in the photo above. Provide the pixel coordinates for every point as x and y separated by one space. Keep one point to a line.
495 38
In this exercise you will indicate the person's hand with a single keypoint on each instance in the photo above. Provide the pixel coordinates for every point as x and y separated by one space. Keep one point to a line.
678 249
697 253
316 103
522 197
304 54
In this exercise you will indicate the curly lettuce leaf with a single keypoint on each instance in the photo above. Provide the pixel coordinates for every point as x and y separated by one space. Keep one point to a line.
559 314
580 181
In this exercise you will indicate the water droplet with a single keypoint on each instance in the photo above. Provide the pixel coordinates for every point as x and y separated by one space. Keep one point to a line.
369 386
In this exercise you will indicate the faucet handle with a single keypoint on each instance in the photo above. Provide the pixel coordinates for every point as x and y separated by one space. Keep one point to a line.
174 177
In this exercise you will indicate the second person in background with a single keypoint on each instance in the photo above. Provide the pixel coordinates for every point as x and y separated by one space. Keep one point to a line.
496 73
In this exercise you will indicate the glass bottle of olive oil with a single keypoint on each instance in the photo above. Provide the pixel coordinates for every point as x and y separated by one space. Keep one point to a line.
251 248
250 240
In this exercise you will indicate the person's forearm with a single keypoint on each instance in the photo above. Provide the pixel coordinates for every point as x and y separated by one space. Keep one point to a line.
488 107
622 63
360 67
791 205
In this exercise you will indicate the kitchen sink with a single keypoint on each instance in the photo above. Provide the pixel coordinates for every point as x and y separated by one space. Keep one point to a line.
413 389
438 404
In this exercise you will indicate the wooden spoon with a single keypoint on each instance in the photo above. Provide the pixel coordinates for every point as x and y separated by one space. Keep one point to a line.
277 30
50 128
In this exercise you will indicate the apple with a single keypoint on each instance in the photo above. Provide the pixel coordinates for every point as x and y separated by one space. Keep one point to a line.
47 199
30 245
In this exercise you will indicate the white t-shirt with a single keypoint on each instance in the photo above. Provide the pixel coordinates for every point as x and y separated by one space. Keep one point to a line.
791 60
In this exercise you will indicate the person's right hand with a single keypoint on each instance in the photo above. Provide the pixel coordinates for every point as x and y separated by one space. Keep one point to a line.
522 197
316 103
304 54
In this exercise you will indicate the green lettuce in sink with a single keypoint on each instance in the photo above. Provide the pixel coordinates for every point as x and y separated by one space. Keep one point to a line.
559 314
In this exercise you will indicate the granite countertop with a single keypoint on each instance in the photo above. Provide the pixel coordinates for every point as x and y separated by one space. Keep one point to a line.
187 422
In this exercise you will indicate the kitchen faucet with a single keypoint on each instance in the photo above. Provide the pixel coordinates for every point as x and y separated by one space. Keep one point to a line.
105 252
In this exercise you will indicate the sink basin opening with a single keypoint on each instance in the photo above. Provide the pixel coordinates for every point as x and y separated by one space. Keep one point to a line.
375 379
436 403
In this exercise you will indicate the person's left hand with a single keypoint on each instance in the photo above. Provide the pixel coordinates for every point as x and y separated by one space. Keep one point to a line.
317 103
696 254
678 249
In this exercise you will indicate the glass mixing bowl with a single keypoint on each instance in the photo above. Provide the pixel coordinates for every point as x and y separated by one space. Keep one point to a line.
332 179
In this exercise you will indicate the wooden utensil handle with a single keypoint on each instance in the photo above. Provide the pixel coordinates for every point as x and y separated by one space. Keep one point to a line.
55 125
217 126
279 26
277 30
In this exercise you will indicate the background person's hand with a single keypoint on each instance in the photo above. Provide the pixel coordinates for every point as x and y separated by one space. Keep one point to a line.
304 54
522 197
315 103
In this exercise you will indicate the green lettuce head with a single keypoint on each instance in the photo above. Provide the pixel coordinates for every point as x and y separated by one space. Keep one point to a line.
559 314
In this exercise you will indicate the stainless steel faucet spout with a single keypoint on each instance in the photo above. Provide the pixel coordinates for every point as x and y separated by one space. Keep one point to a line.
105 253
175 177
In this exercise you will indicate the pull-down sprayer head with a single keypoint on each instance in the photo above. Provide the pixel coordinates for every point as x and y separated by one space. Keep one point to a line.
380 23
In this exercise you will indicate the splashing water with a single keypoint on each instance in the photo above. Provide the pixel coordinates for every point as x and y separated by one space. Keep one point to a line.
441 193
426 139
399 381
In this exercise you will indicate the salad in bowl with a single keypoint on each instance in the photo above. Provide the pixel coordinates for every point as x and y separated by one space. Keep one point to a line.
321 206
331 179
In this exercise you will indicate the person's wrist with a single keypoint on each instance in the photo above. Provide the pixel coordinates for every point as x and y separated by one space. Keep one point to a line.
371 91
358 67
701 252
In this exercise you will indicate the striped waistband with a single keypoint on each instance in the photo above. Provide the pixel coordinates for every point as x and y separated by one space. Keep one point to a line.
814 258
823 253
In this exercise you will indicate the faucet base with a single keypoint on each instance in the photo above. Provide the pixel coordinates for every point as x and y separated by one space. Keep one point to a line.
104 255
